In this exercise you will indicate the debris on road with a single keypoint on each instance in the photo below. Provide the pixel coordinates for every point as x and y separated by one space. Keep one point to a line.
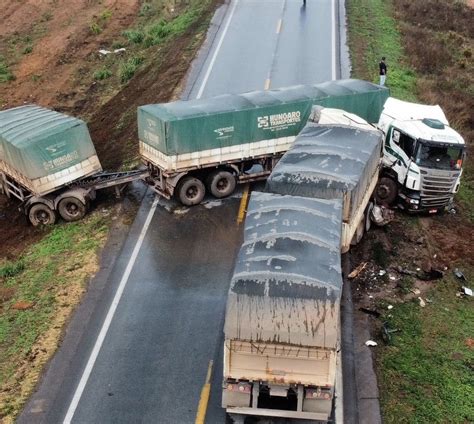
389 307
372 312
370 343
432 274
357 270
382 272
106 52
459 274
467 291
422 302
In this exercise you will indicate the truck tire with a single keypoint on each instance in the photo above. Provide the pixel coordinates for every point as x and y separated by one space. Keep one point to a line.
221 184
386 191
41 214
71 209
191 191
368 212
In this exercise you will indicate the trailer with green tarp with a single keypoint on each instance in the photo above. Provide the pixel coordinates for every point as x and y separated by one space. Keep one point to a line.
229 139
48 162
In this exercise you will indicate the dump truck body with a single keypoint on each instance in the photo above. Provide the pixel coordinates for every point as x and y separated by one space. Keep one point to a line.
235 132
282 317
332 162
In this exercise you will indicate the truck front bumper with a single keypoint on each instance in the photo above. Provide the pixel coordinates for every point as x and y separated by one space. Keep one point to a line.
413 202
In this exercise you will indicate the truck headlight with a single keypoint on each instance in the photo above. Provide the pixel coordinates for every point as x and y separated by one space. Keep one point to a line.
414 201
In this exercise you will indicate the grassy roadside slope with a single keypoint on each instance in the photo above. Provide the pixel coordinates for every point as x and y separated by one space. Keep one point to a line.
425 374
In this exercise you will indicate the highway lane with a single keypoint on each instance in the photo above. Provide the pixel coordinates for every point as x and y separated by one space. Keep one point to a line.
270 44
154 353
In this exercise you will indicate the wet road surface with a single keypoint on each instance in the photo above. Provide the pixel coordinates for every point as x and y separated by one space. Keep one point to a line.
167 326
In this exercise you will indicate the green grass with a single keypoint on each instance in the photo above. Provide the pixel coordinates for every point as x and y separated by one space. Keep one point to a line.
5 73
373 33
127 69
102 74
426 374
51 265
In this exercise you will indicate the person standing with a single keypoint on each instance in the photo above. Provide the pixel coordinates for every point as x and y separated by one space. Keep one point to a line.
383 71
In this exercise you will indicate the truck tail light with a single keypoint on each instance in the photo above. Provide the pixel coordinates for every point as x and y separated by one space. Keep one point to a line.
318 393
239 387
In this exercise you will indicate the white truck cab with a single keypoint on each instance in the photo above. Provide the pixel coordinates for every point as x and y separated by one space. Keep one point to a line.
423 157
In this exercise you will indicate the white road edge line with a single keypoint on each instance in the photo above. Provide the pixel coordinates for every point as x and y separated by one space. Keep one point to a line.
108 319
333 39
214 56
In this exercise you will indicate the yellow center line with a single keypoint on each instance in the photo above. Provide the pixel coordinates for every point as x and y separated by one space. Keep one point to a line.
243 205
204 399
279 26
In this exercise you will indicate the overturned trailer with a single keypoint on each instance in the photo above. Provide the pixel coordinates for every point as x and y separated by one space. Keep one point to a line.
282 318
333 162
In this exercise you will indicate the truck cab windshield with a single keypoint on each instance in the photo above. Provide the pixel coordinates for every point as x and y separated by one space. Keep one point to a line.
430 155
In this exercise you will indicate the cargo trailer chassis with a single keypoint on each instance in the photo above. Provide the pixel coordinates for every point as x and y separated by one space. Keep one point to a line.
71 201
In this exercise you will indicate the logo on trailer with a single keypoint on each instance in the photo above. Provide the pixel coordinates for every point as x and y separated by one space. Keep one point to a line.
279 120
224 132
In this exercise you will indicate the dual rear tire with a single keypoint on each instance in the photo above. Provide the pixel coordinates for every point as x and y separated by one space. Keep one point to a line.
70 209
191 190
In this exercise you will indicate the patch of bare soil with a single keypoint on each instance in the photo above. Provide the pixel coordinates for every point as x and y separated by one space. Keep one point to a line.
63 34
407 258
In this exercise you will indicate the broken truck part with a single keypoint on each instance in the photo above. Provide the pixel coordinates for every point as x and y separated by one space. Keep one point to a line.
282 317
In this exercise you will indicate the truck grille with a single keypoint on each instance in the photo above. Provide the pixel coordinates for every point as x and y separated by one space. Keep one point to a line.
437 187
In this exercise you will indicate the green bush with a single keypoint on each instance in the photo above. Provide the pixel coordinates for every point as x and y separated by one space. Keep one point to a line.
134 35
5 74
102 74
127 69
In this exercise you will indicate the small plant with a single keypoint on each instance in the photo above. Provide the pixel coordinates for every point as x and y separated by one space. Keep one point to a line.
128 68
105 15
134 35
102 74
5 74
145 9
35 77
95 28
27 49
47 16
10 269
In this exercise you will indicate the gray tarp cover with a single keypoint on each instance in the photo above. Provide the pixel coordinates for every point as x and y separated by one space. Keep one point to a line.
287 282
327 161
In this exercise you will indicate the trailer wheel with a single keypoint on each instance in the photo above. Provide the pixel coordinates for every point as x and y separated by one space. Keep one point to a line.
221 184
71 209
41 214
386 191
368 213
191 191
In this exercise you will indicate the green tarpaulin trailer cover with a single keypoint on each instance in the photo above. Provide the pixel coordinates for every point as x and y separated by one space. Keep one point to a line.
186 134
43 149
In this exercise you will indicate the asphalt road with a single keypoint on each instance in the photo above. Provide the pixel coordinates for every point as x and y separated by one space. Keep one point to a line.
147 361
